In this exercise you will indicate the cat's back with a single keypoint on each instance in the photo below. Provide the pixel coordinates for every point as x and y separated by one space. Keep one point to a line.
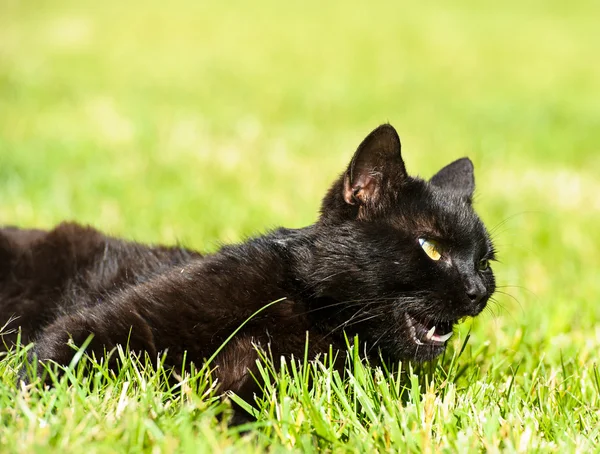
44 273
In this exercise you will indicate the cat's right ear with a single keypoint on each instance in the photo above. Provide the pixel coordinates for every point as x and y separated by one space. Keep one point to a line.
375 169
457 177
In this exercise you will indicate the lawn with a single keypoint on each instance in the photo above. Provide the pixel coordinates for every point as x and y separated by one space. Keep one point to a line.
205 122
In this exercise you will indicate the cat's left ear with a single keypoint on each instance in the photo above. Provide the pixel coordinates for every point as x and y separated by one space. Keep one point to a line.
457 177
375 169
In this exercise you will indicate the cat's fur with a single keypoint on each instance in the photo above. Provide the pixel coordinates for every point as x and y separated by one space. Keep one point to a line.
360 269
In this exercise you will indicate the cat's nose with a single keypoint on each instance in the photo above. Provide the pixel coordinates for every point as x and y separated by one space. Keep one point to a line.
474 295
475 291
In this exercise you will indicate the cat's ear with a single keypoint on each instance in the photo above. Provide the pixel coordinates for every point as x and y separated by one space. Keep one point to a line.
457 177
375 168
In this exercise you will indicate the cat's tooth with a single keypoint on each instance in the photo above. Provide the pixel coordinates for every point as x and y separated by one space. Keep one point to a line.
430 333
443 338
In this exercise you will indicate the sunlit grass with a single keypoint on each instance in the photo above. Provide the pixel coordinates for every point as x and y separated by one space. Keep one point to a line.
205 122
457 405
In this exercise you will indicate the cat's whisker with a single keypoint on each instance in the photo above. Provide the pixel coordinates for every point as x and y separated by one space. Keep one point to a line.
347 304
512 297
327 278
499 306
490 309
510 218
344 323
362 320
495 302
384 334
520 287
354 322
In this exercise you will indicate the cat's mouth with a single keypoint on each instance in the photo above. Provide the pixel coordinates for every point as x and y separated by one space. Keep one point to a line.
429 332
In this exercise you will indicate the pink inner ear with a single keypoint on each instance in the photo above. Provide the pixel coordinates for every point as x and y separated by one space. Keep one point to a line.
361 190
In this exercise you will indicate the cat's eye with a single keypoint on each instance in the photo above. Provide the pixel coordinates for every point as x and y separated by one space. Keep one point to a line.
431 248
484 264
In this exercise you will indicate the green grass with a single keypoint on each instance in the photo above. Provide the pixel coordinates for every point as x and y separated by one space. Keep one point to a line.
205 122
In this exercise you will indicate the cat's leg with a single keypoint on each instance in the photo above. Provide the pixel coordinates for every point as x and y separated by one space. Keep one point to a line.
235 369
111 324
108 327
118 323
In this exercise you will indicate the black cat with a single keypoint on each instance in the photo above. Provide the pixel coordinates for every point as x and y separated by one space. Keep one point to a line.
393 259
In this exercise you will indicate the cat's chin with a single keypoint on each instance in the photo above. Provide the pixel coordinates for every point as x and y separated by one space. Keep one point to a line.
424 353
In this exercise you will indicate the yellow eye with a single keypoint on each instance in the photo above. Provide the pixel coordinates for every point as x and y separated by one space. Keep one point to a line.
431 248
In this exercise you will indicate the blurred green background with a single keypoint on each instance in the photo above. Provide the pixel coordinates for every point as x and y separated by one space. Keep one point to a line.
205 122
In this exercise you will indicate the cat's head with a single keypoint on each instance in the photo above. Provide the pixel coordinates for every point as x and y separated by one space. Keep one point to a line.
407 258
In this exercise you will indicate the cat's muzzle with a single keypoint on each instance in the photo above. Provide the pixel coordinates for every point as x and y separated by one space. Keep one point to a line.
428 333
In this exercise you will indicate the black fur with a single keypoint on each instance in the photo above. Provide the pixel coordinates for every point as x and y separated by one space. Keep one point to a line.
360 269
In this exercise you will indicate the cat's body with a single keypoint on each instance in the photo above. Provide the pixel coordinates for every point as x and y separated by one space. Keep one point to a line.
390 257
74 281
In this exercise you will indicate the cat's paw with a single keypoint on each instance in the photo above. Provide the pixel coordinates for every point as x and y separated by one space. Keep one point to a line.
32 370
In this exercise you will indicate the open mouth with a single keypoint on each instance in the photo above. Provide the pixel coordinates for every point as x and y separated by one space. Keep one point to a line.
428 333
